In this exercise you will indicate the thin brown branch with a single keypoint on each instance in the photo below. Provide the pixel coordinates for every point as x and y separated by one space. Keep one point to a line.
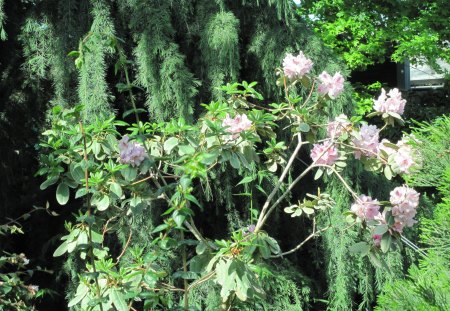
309 237
125 247
278 185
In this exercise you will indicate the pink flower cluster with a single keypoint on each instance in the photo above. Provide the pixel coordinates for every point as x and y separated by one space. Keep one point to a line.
392 102
403 157
329 157
331 85
368 144
366 208
404 202
237 124
337 127
131 152
296 66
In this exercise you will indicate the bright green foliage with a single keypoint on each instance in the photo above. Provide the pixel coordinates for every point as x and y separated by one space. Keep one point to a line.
427 286
3 35
220 47
162 72
369 32
434 143
94 48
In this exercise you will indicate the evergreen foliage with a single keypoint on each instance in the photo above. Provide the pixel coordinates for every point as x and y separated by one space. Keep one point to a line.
93 90
179 54
2 20
427 286
434 143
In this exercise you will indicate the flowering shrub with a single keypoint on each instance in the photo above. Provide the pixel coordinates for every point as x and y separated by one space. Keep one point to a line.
236 125
404 202
331 85
131 152
366 208
366 141
122 171
339 126
295 67
392 102
324 154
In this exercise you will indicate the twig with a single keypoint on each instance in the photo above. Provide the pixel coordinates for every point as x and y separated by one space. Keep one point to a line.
125 247
185 282
312 235
291 186
278 185
353 193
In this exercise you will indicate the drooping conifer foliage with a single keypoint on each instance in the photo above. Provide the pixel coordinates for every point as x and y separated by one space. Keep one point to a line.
167 57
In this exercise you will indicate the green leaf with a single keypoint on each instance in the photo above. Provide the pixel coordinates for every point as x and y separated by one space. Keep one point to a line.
170 144
61 250
318 174
308 210
361 248
129 173
304 127
50 181
96 237
191 198
62 194
178 218
118 300
116 189
234 161
80 192
185 149
103 203
395 115
372 114
96 148
245 180
388 172
160 228
73 54
77 173
380 230
385 243
200 248
82 291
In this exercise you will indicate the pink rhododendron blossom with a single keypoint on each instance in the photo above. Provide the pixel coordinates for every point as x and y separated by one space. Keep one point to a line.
331 85
131 152
337 127
329 156
376 239
366 208
237 124
368 144
403 157
296 66
392 102
404 202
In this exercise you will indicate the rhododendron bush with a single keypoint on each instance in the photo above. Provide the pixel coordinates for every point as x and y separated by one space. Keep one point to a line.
121 169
